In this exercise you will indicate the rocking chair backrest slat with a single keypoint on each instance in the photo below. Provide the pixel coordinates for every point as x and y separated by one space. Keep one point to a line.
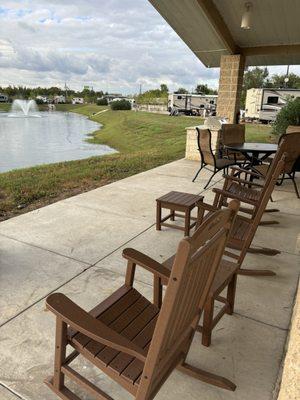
204 146
195 265
292 150
281 149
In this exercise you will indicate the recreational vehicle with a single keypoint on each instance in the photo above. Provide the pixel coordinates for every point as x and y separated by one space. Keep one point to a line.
264 104
77 100
192 104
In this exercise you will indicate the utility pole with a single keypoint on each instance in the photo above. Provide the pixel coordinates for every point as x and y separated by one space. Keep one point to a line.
286 79
140 88
66 91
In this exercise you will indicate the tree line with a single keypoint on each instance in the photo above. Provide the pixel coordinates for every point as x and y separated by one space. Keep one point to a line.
25 93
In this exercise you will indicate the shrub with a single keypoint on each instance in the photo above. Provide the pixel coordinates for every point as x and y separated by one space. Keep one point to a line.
120 105
288 115
102 102
39 101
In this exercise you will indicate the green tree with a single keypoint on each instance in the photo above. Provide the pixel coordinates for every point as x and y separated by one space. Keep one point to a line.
164 88
204 89
278 81
181 90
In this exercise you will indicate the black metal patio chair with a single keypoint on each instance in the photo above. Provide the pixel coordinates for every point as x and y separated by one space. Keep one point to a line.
208 158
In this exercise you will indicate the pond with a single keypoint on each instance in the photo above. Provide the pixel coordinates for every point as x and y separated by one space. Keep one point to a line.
50 138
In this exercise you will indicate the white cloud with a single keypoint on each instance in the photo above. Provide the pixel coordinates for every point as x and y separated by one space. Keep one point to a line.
110 44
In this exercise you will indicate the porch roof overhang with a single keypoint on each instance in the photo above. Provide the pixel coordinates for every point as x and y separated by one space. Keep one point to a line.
212 28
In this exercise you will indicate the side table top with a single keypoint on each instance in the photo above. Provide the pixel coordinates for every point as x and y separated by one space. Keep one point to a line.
180 198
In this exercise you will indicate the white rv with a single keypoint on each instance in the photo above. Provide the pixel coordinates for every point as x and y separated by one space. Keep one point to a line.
192 104
264 104
77 100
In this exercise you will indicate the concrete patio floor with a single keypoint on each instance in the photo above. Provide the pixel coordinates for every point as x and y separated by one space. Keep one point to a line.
74 246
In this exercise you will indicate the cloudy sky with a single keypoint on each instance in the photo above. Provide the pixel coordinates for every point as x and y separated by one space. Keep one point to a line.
113 45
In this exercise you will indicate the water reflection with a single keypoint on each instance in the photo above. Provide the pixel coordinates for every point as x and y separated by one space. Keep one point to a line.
57 136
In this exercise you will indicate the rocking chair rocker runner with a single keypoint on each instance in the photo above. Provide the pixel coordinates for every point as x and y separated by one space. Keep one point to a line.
207 156
128 337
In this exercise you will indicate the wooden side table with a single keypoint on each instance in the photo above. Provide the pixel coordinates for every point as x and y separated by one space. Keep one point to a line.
182 202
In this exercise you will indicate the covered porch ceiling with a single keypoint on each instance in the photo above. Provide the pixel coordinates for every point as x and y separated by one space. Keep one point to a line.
212 28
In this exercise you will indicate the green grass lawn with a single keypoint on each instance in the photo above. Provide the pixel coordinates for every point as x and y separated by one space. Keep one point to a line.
143 140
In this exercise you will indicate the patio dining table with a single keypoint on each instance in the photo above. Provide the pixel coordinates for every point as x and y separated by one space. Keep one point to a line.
255 153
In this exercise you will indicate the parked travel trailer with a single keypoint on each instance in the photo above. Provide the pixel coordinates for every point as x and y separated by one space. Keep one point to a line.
77 100
192 104
264 104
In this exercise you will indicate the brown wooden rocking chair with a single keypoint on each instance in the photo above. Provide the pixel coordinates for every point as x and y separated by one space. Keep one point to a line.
239 242
128 337
250 192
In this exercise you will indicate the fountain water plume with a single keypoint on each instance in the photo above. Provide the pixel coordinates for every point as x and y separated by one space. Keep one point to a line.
24 108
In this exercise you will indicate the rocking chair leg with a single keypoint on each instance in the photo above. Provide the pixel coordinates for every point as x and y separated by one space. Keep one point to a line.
256 272
264 250
264 223
56 383
271 210
208 314
231 294
207 377
60 353
157 292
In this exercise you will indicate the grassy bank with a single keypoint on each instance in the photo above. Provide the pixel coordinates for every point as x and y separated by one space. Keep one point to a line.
143 140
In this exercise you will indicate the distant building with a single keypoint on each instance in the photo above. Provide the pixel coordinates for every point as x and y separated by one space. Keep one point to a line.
59 99
3 98
111 97
43 99
78 100
192 104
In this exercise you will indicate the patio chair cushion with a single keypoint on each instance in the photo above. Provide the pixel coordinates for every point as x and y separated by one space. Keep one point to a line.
130 314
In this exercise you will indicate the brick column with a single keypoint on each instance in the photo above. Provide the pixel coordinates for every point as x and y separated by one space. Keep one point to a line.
230 86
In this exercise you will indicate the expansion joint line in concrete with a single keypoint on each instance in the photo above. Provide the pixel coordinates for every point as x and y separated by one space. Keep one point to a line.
75 276
12 392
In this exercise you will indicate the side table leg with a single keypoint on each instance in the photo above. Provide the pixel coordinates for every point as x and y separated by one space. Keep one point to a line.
158 216
172 218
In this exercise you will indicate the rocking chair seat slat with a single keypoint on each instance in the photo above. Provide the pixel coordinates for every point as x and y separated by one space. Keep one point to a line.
226 270
248 193
132 316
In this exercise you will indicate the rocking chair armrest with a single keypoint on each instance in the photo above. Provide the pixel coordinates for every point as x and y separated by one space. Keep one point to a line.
230 195
246 171
244 181
85 323
146 262
206 206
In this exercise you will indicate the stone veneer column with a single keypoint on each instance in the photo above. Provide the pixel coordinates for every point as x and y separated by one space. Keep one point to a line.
230 86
